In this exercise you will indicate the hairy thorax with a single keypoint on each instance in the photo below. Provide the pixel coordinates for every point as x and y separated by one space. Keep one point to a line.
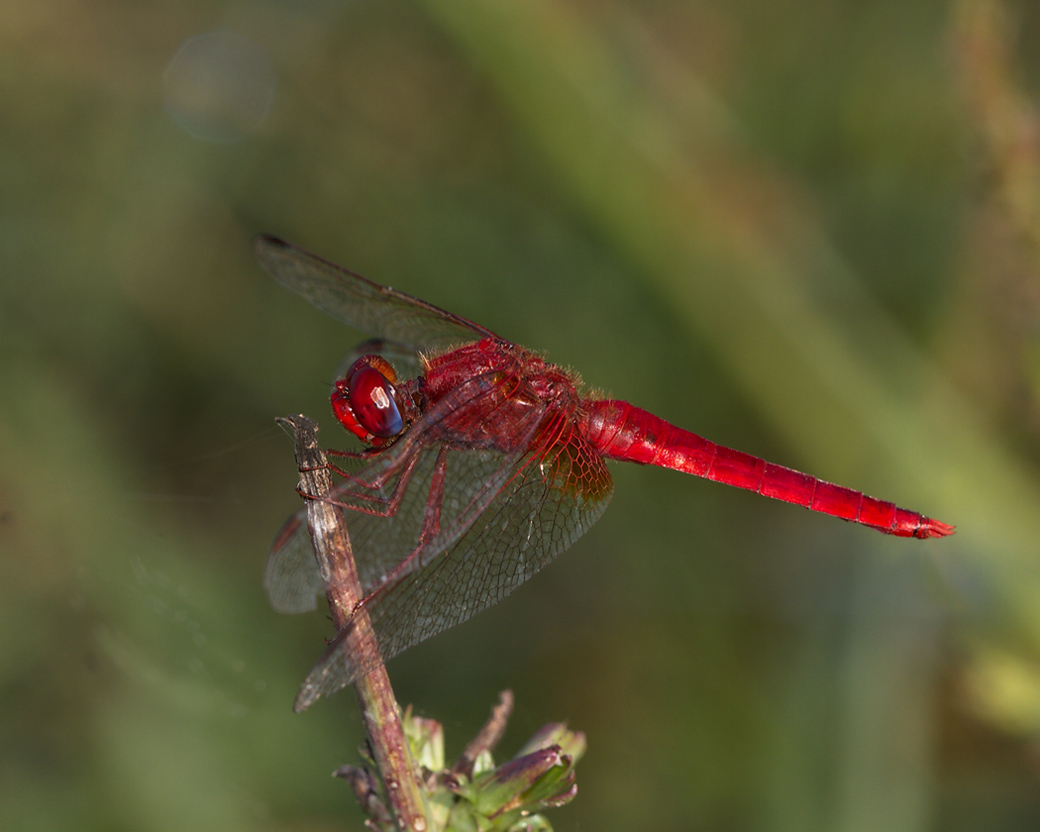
512 384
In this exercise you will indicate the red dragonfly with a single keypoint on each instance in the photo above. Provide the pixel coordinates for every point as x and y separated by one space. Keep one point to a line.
483 462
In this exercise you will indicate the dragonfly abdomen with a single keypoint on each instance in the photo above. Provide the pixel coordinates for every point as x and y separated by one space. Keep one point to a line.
621 431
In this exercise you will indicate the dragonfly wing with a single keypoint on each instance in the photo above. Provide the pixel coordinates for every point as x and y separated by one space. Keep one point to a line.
382 546
554 495
381 542
291 578
539 502
403 357
360 303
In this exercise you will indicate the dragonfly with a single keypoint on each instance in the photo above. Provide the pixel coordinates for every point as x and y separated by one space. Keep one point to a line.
482 462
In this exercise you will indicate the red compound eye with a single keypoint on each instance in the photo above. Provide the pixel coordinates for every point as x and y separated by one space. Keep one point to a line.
364 400
372 399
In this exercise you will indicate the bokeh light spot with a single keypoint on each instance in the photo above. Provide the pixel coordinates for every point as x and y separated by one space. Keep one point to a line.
219 86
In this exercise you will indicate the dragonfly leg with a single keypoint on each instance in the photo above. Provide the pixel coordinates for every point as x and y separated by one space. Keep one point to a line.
364 456
401 463
431 528
382 506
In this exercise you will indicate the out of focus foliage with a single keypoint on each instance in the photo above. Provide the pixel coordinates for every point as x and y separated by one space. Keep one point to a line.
809 230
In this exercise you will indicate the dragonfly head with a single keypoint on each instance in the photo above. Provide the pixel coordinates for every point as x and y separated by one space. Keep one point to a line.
364 401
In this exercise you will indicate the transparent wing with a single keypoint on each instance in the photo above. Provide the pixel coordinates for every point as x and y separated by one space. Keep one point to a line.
361 304
381 543
403 357
291 578
553 495
501 517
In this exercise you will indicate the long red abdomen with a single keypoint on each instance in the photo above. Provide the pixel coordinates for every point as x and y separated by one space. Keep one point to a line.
623 432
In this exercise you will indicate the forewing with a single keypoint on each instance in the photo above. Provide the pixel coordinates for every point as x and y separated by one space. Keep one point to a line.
360 303
404 358
554 495
554 492
381 543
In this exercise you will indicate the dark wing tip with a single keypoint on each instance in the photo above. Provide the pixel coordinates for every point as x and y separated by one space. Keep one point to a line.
265 242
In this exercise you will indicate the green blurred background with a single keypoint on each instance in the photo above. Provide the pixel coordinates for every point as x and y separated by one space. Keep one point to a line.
809 230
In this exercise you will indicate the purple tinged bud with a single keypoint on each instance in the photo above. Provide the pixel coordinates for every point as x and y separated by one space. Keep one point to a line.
572 743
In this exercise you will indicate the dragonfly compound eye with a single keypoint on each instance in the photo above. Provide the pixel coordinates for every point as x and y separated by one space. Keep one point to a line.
364 401
372 400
